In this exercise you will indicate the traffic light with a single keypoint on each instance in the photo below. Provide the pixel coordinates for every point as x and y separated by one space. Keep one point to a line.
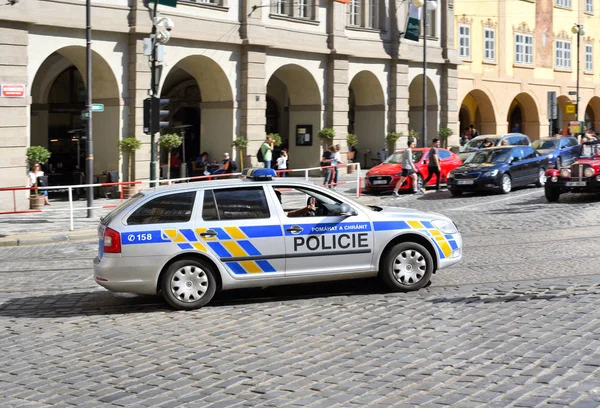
156 114
160 113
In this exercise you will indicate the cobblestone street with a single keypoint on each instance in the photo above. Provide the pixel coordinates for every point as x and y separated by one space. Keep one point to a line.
516 324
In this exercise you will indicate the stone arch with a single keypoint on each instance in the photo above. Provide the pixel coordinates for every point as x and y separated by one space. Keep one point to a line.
56 121
415 113
592 114
201 108
295 92
523 113
367 113
563 117
477 109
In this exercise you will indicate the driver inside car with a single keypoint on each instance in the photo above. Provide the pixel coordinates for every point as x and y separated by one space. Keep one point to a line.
308 211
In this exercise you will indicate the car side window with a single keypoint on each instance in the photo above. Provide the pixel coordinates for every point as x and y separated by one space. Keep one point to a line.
529 153
444 154
168 208
522 141
236 204
511 141
517 154
572 142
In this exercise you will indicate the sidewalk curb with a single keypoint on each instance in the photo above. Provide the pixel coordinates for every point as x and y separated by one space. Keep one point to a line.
25 240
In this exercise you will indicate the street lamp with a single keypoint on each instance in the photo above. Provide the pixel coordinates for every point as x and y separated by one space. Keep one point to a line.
427 5
580 32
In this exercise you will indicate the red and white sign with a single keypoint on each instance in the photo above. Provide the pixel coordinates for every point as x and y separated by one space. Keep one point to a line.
12 91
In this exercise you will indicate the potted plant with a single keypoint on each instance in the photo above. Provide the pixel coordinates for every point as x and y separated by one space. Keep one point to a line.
169 141
413 135
276 139
444 134
39 155
327 135
128 146
352 141
241 143
391 139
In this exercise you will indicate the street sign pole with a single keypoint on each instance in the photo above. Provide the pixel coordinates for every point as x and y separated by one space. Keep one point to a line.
89 159
152 95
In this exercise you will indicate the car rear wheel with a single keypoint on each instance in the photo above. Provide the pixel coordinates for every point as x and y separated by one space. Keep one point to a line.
506 185
407 267
552 194
541 178
188 284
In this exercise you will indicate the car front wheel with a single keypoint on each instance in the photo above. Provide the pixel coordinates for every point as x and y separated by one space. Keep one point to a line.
541 178
407 267
506 184
188 284
552 194
455 193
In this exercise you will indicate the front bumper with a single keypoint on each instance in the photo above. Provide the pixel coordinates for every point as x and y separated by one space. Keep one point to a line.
591 186
369 186
479 184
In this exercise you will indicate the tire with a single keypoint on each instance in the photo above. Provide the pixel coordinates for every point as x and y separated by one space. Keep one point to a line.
188 284
506 184
456 193
552 194
407 267
558 163
541 178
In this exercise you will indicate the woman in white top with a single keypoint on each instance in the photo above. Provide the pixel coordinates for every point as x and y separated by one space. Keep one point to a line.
282 163
36 172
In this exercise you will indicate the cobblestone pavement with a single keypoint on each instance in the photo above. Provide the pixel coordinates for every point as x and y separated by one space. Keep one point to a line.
516 324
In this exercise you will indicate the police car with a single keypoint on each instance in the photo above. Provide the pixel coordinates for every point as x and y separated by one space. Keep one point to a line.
188 241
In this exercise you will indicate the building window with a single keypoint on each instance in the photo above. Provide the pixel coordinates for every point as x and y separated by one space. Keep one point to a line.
464 41
358 18
354 15
563 3
489 45
430 29
373 14
524 49
589 65
294 8
589 6
563 54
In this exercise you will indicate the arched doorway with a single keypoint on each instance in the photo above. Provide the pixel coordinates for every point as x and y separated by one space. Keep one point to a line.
58 94
562 122
523 116
367 114
201 108
592 114
293 93
415 113
477 109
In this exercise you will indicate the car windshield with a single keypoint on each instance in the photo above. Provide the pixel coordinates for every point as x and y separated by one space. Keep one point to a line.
489 156
396 158
478 143
545 144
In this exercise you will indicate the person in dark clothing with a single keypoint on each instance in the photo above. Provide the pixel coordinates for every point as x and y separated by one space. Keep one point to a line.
433 166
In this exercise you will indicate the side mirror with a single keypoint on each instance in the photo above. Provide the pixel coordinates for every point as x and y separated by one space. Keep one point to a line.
347 211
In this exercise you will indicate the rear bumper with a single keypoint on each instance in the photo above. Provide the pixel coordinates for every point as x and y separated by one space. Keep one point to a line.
133 275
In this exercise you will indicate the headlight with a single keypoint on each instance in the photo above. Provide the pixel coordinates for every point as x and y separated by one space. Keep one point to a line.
446 226
597 178
565 173
550 156
451 174
492 173
589 172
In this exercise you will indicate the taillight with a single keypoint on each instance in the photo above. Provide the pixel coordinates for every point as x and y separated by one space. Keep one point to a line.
112 241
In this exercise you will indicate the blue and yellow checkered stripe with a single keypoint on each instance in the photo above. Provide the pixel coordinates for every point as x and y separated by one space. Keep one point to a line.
230 242
444 243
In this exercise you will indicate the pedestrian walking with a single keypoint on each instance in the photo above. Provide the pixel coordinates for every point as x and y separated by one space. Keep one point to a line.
267 152
433 165
474 132
337 160
34 179
408 170
326 160
282 163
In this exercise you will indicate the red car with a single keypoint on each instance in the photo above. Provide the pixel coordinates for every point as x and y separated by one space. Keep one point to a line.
384 176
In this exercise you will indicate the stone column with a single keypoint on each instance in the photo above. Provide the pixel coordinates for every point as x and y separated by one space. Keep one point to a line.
337 97
449 104
253 99
14 114
399 107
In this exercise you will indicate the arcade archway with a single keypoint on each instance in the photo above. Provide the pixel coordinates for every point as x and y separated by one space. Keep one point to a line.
415 113
523 116
477 109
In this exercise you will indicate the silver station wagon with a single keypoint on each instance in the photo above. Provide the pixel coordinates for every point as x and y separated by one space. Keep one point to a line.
188 241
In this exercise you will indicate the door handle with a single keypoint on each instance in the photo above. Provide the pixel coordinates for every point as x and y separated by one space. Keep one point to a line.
208 233
294 229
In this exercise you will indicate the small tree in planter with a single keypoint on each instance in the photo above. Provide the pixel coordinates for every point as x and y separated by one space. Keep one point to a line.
352 141
327 135
240 143
170 141
391 139
276 139
444 134
40 155
128 146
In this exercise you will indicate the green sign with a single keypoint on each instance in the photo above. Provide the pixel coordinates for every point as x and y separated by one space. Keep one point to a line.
168 3
85 115
97 107
413 25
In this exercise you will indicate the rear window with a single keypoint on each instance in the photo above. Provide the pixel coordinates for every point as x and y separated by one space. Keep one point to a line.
169 208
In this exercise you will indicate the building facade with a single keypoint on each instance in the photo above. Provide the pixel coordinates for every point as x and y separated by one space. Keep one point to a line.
232 68
516 51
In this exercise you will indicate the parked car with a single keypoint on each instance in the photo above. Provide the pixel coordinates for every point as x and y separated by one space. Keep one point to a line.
561 151
499 168
384 176
508 139
583 176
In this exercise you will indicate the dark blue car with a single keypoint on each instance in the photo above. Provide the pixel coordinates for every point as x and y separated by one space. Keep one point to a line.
499 169
561 151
